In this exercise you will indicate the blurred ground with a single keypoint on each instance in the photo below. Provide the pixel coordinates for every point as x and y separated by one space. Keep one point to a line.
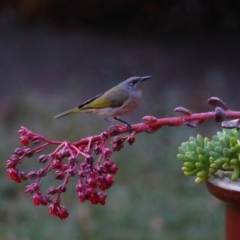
47 68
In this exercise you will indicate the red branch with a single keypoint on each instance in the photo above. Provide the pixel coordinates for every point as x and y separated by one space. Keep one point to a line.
152 124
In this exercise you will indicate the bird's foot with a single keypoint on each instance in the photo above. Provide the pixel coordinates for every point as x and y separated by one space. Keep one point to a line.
114 129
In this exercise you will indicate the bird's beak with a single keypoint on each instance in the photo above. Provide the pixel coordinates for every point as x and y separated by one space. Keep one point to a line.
145 78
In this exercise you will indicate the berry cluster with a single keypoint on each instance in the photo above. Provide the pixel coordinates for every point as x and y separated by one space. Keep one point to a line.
95 175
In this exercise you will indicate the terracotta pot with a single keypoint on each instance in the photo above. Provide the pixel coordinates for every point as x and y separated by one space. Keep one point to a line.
222 187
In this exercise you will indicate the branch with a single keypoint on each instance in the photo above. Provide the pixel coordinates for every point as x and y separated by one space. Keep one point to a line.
95 176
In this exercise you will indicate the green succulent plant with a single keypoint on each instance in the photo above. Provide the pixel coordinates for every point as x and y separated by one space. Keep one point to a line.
203 157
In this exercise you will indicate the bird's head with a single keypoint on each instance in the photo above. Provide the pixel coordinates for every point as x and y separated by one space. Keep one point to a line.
134 83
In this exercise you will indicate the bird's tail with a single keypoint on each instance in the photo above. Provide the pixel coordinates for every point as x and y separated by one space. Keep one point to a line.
71 111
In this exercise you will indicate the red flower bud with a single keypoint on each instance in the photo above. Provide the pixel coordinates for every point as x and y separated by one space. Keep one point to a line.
89 159
64 152
93 175
37 139
81 197
52 209
41 172
102 198
36 199
82 174
62 212
44 201
80 187
97 149
23 175
103 186
31 188
24 141
94 199
52 190
43 158
28 152
131 139
83 165
90 192
18 178
107 164
59 175
91 183
114 168
72 160
11 164
19 152
56 164
61 188
101 169
12 173
32 175
23 131
109 179
107 152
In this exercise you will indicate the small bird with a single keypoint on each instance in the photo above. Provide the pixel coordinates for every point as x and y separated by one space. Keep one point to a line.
115 102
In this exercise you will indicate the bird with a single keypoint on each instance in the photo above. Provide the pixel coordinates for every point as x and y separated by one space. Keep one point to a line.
115 102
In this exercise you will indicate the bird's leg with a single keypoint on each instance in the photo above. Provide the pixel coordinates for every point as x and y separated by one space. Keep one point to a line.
110 123
128 125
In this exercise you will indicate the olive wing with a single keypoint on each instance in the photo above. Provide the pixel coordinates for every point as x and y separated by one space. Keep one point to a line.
113 98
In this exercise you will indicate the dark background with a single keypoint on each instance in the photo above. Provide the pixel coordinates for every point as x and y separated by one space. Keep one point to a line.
56 54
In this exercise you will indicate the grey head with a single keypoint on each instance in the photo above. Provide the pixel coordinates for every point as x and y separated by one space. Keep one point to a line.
133 83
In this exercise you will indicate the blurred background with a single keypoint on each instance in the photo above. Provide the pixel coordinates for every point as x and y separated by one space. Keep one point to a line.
55 54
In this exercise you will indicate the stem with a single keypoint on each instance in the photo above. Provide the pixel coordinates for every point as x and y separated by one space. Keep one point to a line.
36 149
89 144
100 156
58 148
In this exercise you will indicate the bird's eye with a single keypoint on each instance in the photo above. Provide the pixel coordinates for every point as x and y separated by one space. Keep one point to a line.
132 83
